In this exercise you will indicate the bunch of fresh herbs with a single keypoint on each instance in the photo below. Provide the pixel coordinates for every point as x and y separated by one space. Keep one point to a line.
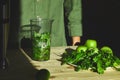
93 58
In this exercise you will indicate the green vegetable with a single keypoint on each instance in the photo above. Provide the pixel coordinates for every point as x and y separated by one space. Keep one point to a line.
41 46
92 57
100 68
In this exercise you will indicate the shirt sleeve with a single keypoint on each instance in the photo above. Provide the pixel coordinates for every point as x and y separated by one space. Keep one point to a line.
74 13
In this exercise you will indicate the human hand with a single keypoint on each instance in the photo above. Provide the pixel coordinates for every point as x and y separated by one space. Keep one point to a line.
76 40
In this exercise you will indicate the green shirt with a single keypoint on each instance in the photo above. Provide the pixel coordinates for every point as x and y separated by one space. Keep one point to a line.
55 9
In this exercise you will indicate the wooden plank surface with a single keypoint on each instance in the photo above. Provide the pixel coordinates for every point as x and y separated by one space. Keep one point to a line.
66 72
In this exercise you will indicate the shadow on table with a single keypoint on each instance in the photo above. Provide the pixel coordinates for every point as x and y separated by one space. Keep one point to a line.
19 67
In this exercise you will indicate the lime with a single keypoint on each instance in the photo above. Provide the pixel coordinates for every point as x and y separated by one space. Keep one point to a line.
42 74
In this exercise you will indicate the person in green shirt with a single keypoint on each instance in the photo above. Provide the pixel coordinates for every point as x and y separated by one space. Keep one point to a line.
60 11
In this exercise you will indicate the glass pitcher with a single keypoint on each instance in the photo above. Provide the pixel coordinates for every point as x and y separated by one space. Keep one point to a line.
41 38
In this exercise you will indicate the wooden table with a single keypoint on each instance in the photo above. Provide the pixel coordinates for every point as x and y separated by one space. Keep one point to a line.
66 72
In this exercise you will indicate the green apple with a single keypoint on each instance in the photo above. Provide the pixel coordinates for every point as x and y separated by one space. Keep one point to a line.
81 48
107 49
91 43
42 74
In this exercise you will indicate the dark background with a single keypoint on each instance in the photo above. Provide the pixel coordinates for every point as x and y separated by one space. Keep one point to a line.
101 21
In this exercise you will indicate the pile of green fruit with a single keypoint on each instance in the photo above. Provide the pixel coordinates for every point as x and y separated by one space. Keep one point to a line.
90 56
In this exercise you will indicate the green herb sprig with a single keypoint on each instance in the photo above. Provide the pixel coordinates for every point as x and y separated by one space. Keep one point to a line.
93 58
